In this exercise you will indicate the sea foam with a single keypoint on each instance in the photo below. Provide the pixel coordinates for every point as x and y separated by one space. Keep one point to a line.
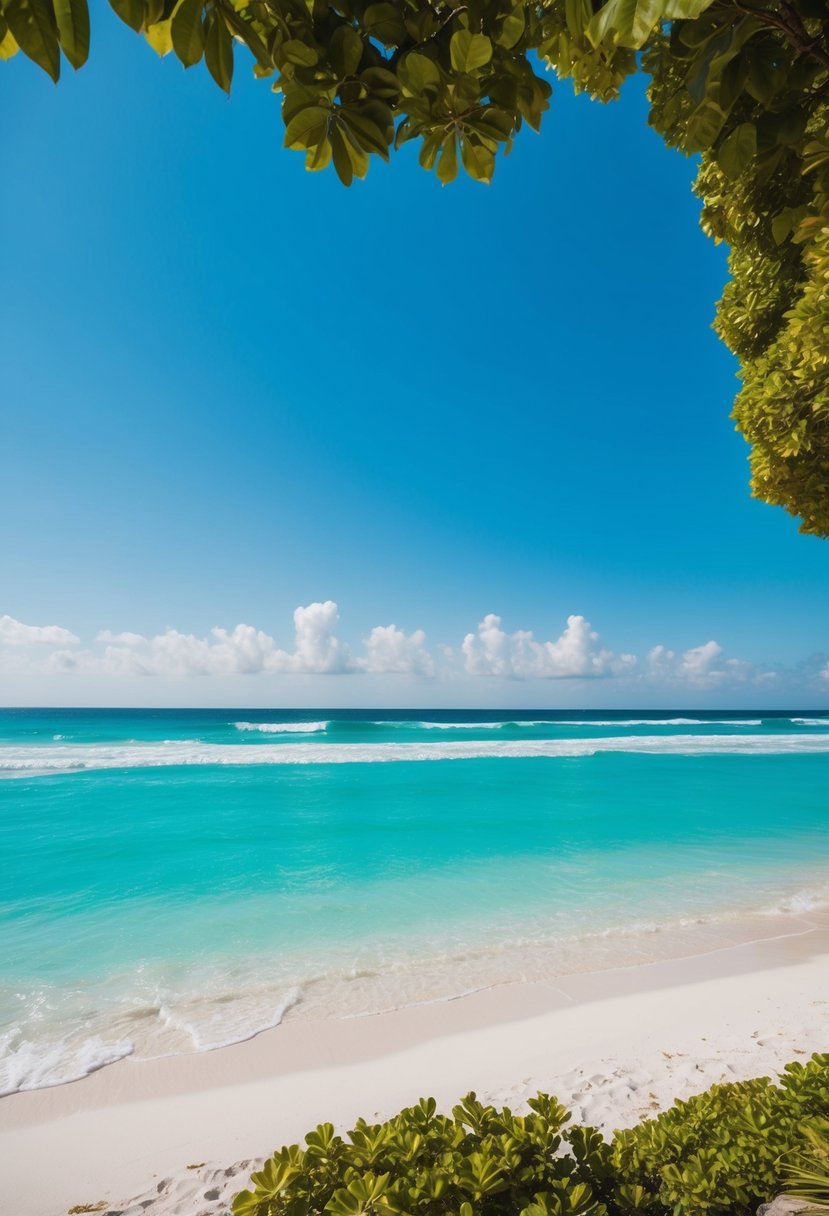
42 761
283 728
25 1065
661 722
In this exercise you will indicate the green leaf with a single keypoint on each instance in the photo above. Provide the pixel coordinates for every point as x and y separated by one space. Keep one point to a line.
647 15
479 163
704 125
383 22
448 164
218 50
299 97
532 101
160 37
357 157
782 225
738 150
685 10
429 150
243 29
186 31
131 12
469 52
512 29
345 50
422 25
732 81
366 133
763 77
342 160
33 25
246 1203
319 157
495 124
577 14
602 21
8 46
419 73
72 18
307 128
381 82
300 53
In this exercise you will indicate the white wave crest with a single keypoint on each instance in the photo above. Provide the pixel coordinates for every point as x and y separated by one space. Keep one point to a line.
25 1065
468 725
553 722
200 1037
283 728
41 761
662 722
800 901
810 721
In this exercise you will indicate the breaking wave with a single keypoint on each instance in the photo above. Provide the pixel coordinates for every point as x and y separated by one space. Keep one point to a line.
283 728
26 1065
39 761
664 722
468 725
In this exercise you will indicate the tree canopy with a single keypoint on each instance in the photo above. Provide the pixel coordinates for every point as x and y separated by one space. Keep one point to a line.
742 83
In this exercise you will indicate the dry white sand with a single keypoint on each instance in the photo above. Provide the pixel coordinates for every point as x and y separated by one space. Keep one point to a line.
178 1137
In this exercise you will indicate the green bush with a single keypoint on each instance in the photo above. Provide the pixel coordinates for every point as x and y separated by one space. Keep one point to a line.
808 1171
721 1153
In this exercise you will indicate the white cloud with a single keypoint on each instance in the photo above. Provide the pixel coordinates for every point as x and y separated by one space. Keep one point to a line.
172 653
824 673
695 666
389 649
243 650
240 651
317 649
577 652
67 660
704 667
15 633
122 639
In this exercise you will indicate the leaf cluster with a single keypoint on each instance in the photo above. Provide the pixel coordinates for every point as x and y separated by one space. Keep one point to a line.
808 1171
479 1160
724 1152
718 1154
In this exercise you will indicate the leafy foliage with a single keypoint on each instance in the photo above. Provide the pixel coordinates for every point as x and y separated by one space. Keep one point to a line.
723 1152
742 83
719 1154
808 1171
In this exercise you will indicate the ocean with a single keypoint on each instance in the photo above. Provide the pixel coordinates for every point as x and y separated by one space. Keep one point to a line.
177 880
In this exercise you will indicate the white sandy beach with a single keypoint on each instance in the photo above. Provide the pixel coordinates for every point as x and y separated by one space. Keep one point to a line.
178 1136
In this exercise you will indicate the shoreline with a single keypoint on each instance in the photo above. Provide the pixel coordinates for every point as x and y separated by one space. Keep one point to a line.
156 1035
615 1044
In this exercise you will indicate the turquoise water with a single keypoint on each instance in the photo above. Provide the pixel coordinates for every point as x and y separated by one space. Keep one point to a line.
174 881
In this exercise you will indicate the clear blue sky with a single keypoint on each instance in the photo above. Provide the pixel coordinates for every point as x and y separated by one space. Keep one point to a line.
231 388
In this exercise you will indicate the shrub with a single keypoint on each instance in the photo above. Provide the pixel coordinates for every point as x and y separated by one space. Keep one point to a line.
720 1153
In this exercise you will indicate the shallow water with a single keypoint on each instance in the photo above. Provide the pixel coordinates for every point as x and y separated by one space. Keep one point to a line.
179 880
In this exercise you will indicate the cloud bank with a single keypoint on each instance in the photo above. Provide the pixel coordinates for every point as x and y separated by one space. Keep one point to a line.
577 652
489 651
15 633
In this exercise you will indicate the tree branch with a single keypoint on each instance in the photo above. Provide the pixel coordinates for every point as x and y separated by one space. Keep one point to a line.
789 23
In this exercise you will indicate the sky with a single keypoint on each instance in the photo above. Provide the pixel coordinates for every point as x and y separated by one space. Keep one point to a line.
267 441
